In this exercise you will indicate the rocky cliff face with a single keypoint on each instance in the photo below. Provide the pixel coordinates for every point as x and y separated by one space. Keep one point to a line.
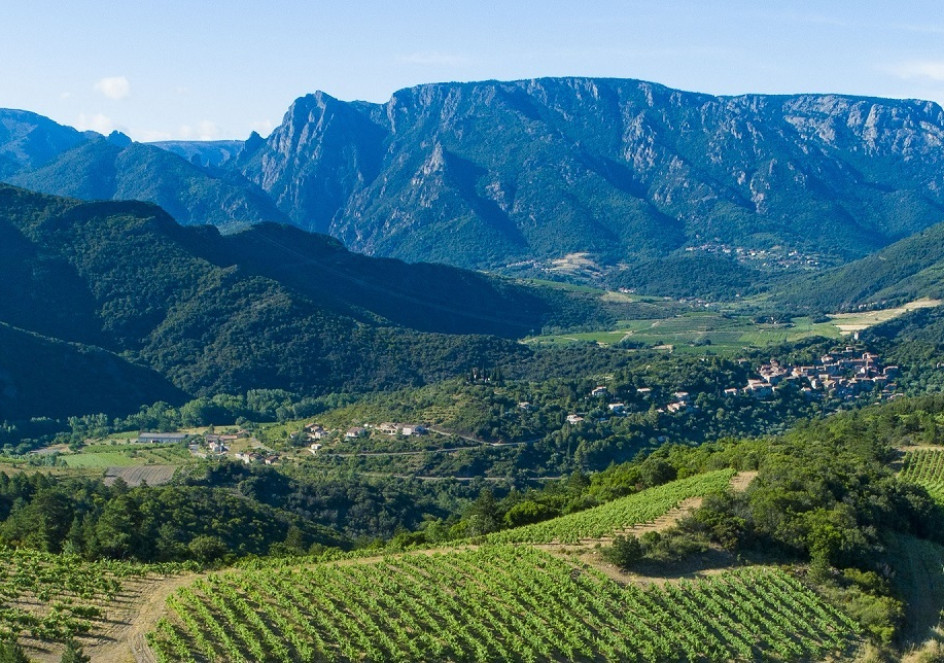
531 175
486 174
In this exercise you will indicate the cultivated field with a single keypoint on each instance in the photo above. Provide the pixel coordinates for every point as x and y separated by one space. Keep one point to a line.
616 516
493 603
728 331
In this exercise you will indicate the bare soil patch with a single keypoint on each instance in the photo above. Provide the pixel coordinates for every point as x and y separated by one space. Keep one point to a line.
119 636
135 475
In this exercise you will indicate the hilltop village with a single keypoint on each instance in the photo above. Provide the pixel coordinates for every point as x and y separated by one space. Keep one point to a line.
842 374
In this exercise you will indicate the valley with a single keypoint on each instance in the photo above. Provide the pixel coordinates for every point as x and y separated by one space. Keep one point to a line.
558 369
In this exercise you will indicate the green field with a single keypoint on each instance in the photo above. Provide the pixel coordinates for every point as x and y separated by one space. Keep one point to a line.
713 330
618 515
925 467
493 603
727 330
112 455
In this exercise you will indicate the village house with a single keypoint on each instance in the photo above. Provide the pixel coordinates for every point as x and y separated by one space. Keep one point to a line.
402 429
759 389
355 432
599 391
388 428
683 397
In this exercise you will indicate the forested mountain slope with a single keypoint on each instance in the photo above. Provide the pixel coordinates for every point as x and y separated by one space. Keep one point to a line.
271 307
906 270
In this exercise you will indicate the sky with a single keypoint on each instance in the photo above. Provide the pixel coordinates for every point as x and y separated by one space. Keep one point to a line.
201 70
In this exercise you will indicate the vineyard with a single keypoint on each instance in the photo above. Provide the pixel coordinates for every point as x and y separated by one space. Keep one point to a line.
617 515
53 597
926 468
494 603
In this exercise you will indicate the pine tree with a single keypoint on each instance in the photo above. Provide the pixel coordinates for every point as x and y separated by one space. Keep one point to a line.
12 652
74 653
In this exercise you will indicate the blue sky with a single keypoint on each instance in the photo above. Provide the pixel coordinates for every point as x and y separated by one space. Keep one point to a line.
160 69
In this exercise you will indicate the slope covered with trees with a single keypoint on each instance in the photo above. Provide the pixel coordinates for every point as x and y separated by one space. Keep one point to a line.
268 308
907 270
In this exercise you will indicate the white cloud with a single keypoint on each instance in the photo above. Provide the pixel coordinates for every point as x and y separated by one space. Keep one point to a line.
434 58
263 128
206 130
153 135
926 69
97 122
114 87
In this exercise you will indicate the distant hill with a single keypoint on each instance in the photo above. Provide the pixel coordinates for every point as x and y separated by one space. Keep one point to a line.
28 141
512 176
904 271
105 169
147 309
204 153
41 155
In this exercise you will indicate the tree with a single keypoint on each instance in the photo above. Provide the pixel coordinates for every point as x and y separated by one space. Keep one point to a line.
483 516
12 652
74 654
207 549
625 551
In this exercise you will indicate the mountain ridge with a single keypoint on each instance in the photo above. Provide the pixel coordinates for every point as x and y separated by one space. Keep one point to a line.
513 176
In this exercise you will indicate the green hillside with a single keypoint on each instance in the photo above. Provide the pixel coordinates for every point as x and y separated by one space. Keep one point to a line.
269 308
494 603
54 378
618 515
115 168
907 270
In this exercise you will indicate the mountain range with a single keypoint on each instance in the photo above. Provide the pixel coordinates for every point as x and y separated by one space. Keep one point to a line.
537 176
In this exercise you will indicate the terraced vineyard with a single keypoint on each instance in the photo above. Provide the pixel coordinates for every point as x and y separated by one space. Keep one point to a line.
925 467
53 597
494 603
617 515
